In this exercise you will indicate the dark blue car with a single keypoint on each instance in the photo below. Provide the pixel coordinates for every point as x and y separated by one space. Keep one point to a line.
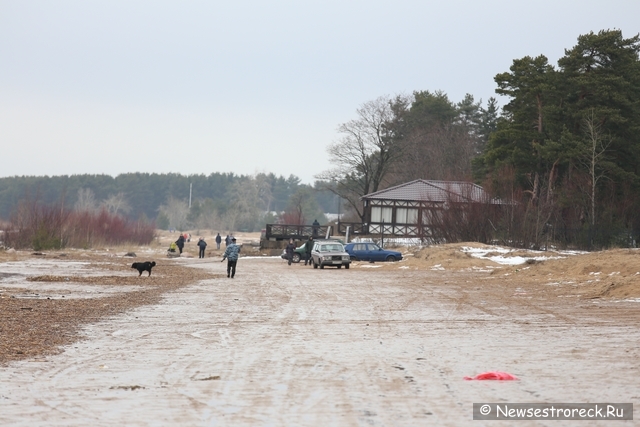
371 252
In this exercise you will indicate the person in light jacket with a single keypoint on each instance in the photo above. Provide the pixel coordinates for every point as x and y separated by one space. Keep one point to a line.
231 255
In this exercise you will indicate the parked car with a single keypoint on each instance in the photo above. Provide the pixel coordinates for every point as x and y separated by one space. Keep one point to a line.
299 252
329 253
371 252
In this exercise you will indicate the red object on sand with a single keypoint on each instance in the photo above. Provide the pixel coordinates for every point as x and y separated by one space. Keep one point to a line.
493 375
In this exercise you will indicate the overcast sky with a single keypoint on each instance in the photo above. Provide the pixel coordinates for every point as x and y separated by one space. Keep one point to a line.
248 86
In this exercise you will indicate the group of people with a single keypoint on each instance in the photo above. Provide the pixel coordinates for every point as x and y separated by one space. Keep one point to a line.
291 247
231 252
308 246
179 244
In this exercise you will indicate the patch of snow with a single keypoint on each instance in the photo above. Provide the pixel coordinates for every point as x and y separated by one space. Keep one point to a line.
515 260
502 259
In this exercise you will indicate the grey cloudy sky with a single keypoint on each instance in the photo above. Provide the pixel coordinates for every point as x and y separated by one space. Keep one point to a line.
247 86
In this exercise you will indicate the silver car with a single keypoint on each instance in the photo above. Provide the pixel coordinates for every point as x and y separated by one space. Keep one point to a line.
329 253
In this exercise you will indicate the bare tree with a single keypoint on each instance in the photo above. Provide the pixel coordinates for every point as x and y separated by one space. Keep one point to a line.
177 211
301 204
365 153
244 208
117 203
594 149
86 200
264 191
541 206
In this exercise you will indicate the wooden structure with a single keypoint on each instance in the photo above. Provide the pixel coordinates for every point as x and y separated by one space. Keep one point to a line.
274 235
412 209
406 210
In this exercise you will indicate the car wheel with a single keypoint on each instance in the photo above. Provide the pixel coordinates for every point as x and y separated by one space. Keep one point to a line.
296 257
353 258
346 266
321 266
339 267
391 258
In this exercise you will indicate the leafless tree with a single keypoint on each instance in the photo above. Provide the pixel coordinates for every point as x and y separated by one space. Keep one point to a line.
117 203
86 200
244 207
595 146
365 153
177 211
300 204
264 192
209 218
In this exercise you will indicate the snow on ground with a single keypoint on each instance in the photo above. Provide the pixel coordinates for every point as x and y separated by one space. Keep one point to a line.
504 258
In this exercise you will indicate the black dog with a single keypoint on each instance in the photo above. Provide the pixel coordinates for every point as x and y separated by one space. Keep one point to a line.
143 266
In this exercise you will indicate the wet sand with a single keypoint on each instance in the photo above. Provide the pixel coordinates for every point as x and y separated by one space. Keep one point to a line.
292 346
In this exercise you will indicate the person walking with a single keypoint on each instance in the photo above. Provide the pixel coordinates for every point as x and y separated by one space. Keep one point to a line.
227 240
231 255
180 243
218 241
290 248
202 245
307 251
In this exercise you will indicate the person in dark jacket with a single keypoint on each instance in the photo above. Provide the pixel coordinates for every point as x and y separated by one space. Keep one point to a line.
307 250
180 243
290 248
227 240
218 240
202 245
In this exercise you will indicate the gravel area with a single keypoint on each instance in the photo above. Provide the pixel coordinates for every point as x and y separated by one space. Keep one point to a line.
40 313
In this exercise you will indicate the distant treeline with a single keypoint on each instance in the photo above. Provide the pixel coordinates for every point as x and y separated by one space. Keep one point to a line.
220 200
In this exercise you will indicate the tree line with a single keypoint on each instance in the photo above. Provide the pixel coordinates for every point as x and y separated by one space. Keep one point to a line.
220 201
563 153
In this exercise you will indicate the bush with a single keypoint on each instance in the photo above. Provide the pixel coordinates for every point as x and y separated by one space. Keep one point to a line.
43 227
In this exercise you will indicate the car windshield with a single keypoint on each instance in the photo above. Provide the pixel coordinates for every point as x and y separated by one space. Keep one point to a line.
331 248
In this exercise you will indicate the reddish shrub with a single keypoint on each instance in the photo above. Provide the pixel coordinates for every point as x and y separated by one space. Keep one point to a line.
41 227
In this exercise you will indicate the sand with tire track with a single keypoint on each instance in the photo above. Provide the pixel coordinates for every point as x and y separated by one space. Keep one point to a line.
378 344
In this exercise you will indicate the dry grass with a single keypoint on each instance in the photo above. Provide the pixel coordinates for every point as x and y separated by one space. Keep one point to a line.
605 274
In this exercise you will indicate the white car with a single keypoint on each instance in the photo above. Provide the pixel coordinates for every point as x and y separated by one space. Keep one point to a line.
329 253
